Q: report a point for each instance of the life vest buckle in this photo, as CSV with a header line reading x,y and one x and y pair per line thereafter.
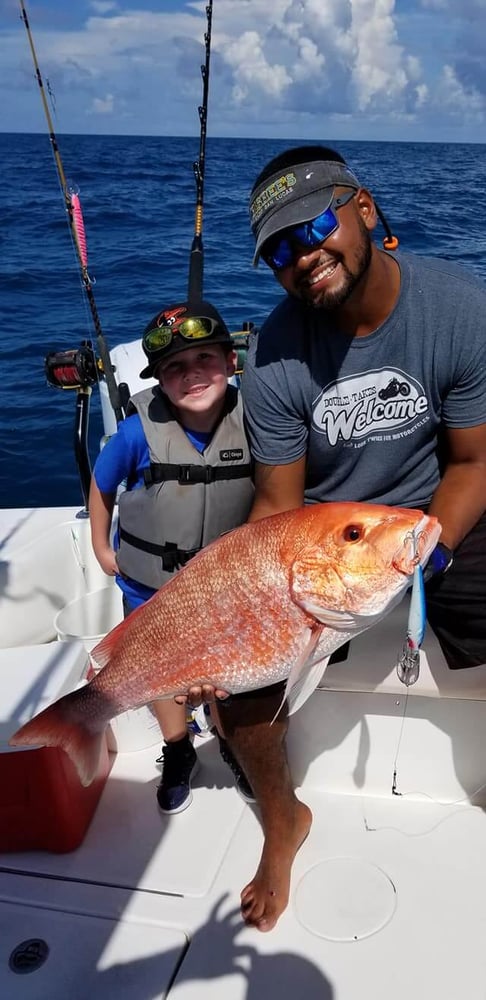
x,y
184,474
195,474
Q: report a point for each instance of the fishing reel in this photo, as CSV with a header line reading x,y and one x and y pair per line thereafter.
x,y
77,369
73,369
241,343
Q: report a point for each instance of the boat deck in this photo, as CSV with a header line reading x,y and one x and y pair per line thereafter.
x,y
388,892
388,895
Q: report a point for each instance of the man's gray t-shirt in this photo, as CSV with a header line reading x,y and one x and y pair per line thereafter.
x,y
367,410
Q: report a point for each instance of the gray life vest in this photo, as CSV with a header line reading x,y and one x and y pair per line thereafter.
x,y
189,499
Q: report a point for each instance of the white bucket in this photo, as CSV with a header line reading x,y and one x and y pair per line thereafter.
x,y
88,619
136,729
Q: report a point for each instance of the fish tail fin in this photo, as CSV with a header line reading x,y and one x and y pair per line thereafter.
x,y
53,728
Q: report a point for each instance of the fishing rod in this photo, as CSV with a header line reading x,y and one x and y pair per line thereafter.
x,y
195,290
76,225
196,260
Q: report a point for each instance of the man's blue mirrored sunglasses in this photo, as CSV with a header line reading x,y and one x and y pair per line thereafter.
x,y
279,251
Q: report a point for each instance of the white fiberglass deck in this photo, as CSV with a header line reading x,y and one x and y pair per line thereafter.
x,y
388,896
388,899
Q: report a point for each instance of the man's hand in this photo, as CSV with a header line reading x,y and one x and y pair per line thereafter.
x,y
439,561
201,693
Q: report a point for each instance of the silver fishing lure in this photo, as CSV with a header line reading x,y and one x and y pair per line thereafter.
x,y
408,665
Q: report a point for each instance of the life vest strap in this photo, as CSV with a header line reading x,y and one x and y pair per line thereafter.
x,y
160,472
172,557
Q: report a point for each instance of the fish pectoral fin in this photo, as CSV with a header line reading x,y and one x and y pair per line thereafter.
x,y
341,621
297,697
305,674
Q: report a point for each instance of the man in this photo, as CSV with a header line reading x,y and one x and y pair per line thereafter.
x,y
367,383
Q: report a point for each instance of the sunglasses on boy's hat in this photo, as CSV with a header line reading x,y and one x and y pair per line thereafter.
x,y
180,327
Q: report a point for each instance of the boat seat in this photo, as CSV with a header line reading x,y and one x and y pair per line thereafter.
x,y
370,665
128,361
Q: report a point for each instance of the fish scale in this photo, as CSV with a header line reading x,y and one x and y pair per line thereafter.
x,y
180,642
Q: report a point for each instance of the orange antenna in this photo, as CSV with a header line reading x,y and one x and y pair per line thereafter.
x,y
390,242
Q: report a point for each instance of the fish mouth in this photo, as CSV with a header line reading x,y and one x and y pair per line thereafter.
x,y
417,545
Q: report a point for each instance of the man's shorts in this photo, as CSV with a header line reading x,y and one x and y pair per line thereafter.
x,y
266,692
456,602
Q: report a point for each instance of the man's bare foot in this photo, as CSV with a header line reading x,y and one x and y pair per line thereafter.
x,y
267,895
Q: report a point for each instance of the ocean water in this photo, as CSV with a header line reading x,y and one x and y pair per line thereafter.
x,y
138,197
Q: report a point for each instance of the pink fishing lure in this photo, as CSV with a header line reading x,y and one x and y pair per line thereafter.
x,y
79,227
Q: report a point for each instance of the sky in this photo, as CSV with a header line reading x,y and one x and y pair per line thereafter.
x,y
411,70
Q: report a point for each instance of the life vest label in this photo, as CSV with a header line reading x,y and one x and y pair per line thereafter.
x,y
231,455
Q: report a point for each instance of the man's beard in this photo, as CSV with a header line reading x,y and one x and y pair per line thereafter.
x,y
332,300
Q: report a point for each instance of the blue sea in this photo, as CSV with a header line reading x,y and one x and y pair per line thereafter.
x,y
138,197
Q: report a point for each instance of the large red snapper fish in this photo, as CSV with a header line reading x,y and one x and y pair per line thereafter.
x,y
268,601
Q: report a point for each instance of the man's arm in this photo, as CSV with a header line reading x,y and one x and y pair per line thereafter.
x,y
460,497
278,488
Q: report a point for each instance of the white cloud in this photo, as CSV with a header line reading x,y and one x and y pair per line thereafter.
x,y
291,67
466,102
103,6
380,72
422,92
103,105
435,4
251,70
327,55
310,60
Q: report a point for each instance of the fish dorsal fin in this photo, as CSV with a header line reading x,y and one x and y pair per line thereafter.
x,y
305,674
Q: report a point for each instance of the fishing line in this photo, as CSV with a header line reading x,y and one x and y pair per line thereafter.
x,y
76,225
417,794
395,762
51,95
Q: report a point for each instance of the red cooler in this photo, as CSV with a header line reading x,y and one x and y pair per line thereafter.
x,y
43,805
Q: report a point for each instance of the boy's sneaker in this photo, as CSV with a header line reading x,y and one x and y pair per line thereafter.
x,y
242,784
180,764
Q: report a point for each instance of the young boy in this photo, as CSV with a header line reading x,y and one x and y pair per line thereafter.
x,y
184,456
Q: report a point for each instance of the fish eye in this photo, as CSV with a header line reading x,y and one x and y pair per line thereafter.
x,y
352,533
